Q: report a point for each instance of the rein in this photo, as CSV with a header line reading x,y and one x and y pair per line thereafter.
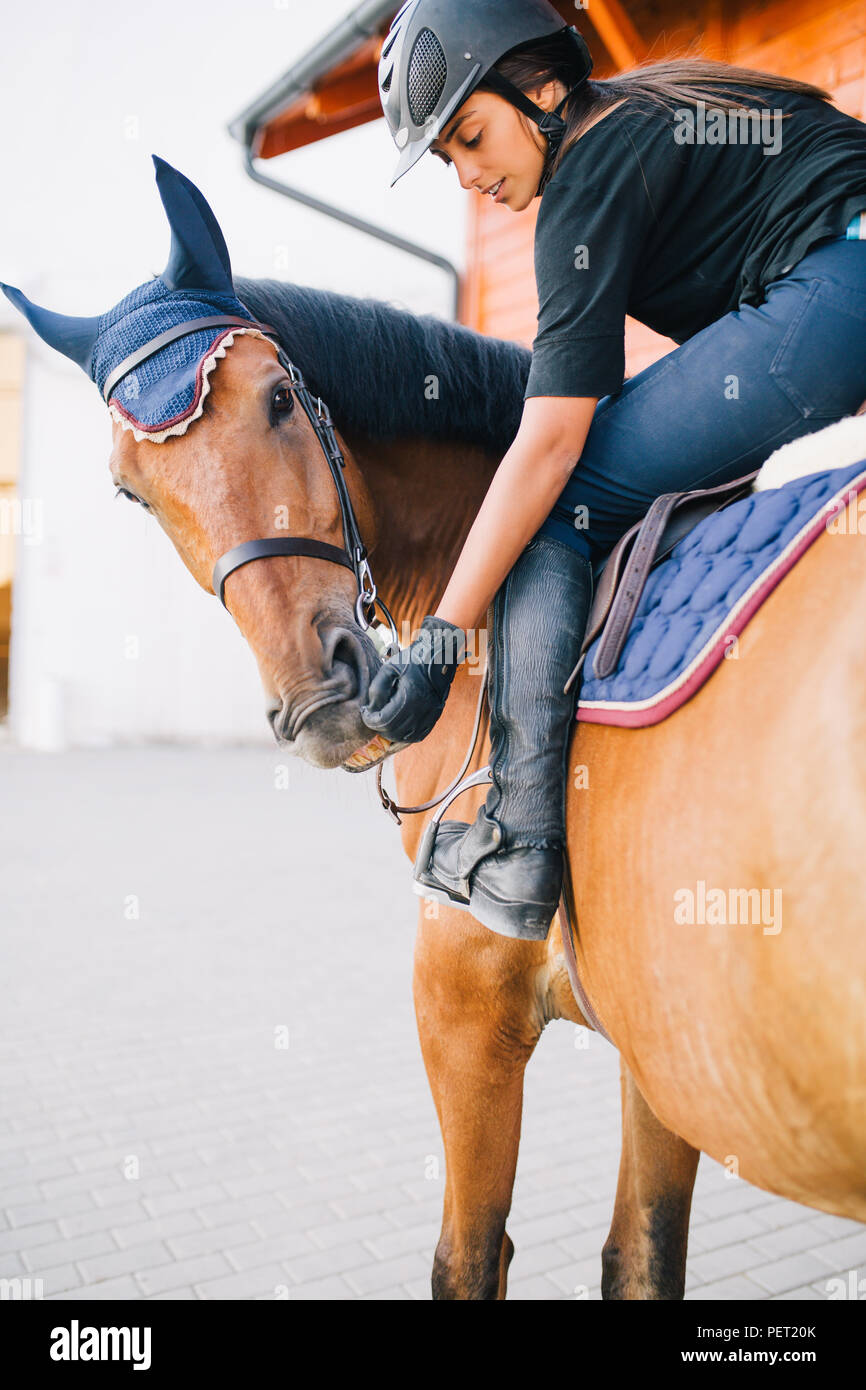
x,y
389,805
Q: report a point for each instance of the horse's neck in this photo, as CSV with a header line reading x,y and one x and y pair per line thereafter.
x,y
425,495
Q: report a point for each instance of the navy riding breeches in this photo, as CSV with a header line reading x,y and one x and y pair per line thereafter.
x,y
718,405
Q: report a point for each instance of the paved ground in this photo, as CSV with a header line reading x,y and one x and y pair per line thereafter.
x,y
212,1083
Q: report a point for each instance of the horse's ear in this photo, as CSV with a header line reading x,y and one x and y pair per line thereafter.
x,y
199,258
74,337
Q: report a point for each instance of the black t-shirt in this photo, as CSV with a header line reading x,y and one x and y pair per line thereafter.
x,y
678,234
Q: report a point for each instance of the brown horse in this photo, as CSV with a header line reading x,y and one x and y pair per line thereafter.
x,y
743,1042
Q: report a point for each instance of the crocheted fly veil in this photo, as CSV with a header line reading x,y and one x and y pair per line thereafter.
x,y
161,396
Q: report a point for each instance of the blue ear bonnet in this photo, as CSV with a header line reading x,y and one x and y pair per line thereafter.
x,y
166,392
168,389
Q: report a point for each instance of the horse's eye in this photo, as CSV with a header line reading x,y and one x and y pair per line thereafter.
x,y
131,497
283,400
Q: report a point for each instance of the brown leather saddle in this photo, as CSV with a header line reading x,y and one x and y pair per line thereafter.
x,y
644,545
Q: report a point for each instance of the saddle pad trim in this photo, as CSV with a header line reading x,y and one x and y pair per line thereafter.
x,y
653,709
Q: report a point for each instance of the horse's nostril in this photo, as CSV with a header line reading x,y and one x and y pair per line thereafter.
x,y
348,656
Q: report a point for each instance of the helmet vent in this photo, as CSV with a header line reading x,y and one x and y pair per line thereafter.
x,y
386,82
428,70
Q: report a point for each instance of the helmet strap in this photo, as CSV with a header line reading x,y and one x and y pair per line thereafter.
x,y
550,123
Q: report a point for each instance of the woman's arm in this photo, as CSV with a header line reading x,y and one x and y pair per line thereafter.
x,y
526,484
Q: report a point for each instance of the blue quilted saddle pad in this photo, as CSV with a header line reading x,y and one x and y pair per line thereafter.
x,y
704,593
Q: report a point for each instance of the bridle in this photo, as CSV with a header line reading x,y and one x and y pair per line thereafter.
x,y
354,553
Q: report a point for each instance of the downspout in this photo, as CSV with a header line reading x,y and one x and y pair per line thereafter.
x,y
362,23
350,220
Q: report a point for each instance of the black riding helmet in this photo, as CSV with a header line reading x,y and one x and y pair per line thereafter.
x,y
436,53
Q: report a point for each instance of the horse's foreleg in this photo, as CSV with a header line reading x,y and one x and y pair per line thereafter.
x,y
478,1025
645,1253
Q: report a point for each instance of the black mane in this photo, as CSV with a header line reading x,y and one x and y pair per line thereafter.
x,y
371,363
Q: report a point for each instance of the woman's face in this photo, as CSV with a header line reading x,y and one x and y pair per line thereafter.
x,y
495,149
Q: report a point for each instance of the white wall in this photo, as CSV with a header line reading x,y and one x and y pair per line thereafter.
x,y
112,639
86,93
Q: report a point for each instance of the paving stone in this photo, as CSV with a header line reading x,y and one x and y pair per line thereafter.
x,y
417,1212
258,1252
189,1199
543,1228
146,1189
584,1242
738,1227
160,1228
59,1279
738,1286
575,1276
713,1265
203,1240
102,1219
536,1288
263,1206
329,1290
249,1283
308,1268
780,1275
776,1212
848,1252
419,1290
299,1218
421,1238
370,1278
832,1226
178,1274
109,1290
361,1228
362,1203
12,1197
58,1209
124,1261
68,1250
788,1240
12,1242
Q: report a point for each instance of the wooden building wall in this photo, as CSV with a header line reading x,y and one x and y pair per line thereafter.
x,y
824,44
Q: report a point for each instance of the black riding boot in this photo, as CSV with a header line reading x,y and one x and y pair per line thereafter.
x,y
506,868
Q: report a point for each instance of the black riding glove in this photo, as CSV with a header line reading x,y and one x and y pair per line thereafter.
x,y
408,693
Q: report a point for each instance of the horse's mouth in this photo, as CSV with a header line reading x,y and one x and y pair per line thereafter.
x,y
371,753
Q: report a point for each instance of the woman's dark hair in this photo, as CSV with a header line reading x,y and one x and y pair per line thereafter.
x,y
672,82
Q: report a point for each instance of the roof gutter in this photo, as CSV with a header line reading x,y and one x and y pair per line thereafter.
x,y
362,23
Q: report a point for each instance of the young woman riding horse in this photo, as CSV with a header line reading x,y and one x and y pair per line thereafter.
x,y
732,228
